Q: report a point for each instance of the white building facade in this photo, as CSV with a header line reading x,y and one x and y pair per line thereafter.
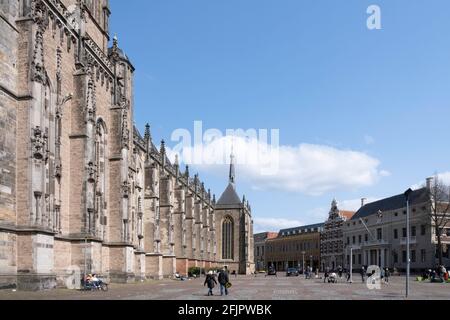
x,y
377,234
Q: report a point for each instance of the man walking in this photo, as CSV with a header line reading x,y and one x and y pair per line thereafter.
x,y
210,281
363,274
325,278
387,274
223,281
340,272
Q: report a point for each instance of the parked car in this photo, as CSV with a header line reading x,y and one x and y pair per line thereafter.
x,y
271,272
292,272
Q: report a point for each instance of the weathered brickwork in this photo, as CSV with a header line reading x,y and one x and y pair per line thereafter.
x,y
81,190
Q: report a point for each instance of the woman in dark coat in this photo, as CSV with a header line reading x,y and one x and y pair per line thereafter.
x,y
211,282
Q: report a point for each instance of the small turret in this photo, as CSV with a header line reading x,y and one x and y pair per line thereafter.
x,y
177,167
148,140
196,183
162,151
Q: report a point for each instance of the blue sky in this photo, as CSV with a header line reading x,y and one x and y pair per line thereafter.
x,y
311,69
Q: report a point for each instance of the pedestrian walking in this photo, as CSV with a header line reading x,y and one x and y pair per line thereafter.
x,y
309,273
224,281
340,271
443,272
387,274
211,282
325,278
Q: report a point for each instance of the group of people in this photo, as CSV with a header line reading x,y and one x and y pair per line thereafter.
x,y
439,274
223,280
385,274
93,280
309,272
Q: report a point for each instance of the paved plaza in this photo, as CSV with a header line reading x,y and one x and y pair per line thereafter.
x,y
247,288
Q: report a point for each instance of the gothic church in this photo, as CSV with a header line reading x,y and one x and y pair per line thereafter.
x,y
81,190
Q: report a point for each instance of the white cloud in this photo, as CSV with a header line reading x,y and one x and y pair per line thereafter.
x,y
385,173
274,224
354,204
317,215
320,214
313,216
443,176
307,168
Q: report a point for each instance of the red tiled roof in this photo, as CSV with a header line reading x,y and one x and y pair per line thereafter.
x,y
347,214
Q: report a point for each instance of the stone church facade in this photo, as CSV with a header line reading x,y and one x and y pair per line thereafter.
x,y
80,188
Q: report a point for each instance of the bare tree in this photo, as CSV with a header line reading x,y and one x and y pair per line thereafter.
x,y
439,194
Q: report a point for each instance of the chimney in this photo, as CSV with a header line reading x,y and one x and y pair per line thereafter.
x,y
430,183
363,202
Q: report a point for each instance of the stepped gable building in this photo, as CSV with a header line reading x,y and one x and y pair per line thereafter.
x,y
81,190
377,233
331,238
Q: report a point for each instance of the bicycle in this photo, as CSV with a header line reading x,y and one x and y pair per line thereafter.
x,y
90,286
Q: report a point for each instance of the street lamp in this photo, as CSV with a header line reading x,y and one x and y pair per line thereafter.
x,y
351,264
303,267
408,260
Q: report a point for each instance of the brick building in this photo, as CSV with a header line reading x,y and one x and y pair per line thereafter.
x,y
297,247
260,247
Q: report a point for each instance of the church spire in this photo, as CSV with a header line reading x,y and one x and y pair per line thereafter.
x,y
232,175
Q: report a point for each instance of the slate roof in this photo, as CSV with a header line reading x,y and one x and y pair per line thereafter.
x,y
229,197
396,202
303,229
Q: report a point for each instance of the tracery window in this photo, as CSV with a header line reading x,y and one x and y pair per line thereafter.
x,y
100,165
227,239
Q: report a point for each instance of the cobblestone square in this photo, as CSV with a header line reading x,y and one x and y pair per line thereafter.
x,y
248,288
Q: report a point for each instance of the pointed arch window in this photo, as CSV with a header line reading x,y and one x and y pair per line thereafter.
x,y
227,239
100,173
